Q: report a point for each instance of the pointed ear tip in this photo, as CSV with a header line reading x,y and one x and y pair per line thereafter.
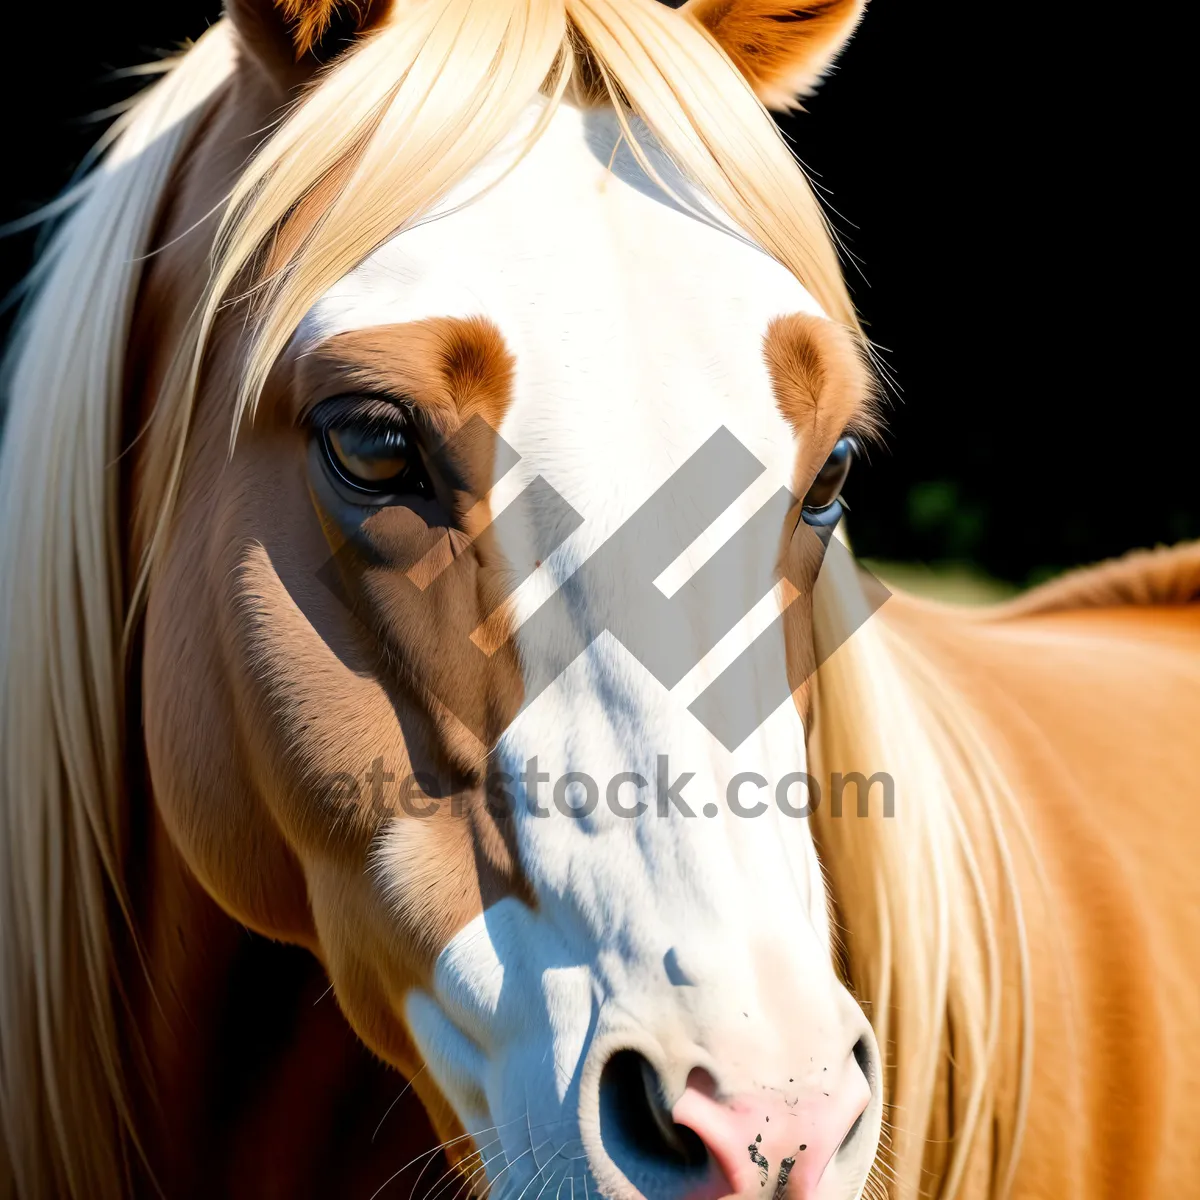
x,y
784,49
286,37
786,99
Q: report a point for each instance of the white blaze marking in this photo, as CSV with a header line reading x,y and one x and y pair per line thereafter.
x,y
637,332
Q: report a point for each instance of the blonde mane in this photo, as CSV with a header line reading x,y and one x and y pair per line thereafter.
x,y
63,1100
372,146
928,901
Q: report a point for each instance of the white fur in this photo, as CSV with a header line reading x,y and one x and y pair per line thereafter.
x,y
637,330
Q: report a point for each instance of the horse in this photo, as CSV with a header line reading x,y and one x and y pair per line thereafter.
x,y
429,416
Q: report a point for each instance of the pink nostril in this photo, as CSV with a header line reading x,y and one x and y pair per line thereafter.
x,y
752,1139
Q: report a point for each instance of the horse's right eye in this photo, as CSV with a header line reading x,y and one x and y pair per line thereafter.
x,y
373,453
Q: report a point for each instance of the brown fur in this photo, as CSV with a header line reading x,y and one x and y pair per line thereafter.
x,y
310,19
257,547
782,48
453,370
1166,576
823,388
823,385
290,38
1091,712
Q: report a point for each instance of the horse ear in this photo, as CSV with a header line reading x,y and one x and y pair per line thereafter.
x,y
291,39
782,48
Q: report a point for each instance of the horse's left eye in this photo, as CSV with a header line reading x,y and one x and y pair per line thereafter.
x,y
827,486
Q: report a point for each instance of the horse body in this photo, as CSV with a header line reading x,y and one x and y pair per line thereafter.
x,y
1089,702
640,1007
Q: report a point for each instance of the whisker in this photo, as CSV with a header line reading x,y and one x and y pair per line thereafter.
x,y
549,1180
508,1167
495,1141
534,1180
397,1100
456,1169
470,1180
427,1153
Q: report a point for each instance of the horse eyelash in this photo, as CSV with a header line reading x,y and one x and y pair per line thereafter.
x,y
374,413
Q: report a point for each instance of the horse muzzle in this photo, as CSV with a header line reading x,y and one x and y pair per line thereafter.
x,y
808,1134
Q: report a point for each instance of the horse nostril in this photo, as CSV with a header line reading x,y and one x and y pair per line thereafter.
x,y
866,1064
635,1122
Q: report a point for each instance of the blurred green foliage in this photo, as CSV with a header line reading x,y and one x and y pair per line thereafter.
x,y
952,583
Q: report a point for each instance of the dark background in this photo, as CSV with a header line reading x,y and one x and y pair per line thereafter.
x,y
1006,178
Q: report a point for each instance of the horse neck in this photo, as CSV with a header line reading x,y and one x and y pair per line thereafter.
x,y
246,1079
175,980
